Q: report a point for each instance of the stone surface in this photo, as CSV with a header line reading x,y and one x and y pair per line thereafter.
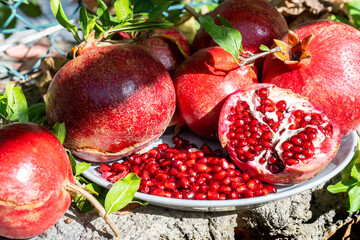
x,y
313,214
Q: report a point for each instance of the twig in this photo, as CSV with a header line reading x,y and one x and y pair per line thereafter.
x,y
79,189
5,120
192,12
253,57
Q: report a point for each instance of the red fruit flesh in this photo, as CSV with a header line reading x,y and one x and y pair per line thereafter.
x,y
164,44
275,135
186,172
329,77
114,100
258,22
202,84
34,168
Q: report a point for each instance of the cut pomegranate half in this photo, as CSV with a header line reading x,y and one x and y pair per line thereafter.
x,y
276,135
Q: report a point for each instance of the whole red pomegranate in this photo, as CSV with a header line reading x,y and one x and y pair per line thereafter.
x,y
202,84
320,60
114,100
34,169
257,20
168,45
275,135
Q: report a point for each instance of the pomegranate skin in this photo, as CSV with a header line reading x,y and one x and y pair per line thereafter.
x,y
326,144
161,44
34,167
114,100
202,84
257,20
330,78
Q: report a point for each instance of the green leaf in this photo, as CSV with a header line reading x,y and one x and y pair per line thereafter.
x,y
72,160
31,8
226,37
103,14
354,11
264,48
355,172
346,172
354,198
122,193
81,167
5,13
142,26
60,131
342,186
37,112
157,12
83,204
123,10
61,17
342,19
20,107
83,19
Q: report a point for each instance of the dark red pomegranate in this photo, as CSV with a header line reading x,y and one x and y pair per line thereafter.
x,y
114,100
323,67
202,84
186,172
257,20
34,169
165,44
275,135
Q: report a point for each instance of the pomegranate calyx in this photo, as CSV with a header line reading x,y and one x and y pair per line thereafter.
x,y
295,51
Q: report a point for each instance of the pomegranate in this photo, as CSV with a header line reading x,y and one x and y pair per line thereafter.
x,y
275,135
168,45
320,60
257,20
34,169
186,172
114,100
202,84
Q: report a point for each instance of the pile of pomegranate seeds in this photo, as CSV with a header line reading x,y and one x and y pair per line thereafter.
x,y
185,172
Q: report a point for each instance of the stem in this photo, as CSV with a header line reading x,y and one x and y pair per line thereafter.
x,y
192,12
5,120
253,57
79,189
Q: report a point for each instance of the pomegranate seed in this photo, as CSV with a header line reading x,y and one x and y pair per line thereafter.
x,y
189,195
144,175
104,167
200,196
233,195
263,92
200,167
281,105
184,182
213,195
177,195
157,192
219,175
225,181
287,146
245,177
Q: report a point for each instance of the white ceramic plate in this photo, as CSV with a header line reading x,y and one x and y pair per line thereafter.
x,y
343,157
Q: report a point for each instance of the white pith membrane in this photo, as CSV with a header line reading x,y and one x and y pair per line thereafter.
x,y
293,103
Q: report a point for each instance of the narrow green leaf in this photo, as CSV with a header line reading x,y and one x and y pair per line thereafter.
x,y
83,19
346,172
83,204
342,19
31,8
354,11
142,26
123,10
228,38
355,172
342,186
61,17
103,14
10,112
21,106
60,131
122,193
37,112
72,160
157,12
354,198
5,13
81,167
264,48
